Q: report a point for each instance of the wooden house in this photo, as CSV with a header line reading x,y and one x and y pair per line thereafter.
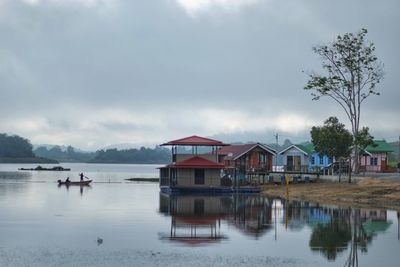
x,y
375,157
247,159
316,161
296,158
194,165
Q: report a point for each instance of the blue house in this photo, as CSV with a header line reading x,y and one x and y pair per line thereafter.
x,y
316,161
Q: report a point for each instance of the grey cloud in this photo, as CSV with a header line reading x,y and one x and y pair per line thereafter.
x,y
150,57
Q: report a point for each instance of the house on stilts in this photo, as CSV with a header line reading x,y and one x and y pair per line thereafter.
x,y
247,163
196,167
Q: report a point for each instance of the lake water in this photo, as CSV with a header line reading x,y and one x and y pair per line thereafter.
x,y
119,223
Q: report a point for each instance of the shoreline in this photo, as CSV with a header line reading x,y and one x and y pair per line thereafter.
x,y
366,193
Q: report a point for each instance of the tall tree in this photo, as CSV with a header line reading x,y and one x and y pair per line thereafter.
x,y
332,139
352,72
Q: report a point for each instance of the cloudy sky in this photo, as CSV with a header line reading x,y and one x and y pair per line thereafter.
x,y
91,73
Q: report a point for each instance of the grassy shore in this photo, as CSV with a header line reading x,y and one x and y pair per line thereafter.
x,y
367,192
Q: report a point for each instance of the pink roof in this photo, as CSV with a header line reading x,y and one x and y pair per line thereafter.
x,y
196,162
195,140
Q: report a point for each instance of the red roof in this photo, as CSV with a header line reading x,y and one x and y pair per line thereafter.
x,y
236,151
196,162
195,140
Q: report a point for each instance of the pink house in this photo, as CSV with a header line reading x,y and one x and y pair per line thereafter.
x,y
375,158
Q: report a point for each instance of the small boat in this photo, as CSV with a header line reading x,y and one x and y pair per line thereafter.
x,y
74,182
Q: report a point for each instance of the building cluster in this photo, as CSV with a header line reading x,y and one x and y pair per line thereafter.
x,y
199,162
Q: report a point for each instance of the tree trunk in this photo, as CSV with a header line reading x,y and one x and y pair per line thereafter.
x,y
350,172
356,159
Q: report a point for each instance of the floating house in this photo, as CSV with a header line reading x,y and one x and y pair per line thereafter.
x,y
247,160
296,158
375,157
194,166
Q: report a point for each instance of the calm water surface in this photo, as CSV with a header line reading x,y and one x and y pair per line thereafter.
x,y
118,223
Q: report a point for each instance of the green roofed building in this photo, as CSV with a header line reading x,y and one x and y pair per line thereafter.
x,y
375,157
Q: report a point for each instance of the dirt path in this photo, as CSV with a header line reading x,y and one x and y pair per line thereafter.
x,y
365,193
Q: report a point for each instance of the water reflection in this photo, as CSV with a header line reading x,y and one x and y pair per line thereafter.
x,y
334,230
83,189
195,220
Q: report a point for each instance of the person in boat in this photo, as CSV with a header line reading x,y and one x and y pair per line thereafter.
x,y
67,180
81,175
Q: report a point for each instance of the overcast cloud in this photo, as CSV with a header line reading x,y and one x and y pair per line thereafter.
x,y
91,73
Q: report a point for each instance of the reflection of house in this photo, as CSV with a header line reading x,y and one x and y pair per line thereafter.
x,y
374,221
247,159
296,158
373,215
375,158
195,220
194,165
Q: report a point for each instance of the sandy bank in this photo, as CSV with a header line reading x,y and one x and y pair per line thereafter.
x,y
367,192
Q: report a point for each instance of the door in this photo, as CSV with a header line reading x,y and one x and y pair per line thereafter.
x,y
289,163
383,164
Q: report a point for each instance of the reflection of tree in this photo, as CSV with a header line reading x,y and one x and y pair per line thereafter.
x,y
359,239
251,214
332,237
347,228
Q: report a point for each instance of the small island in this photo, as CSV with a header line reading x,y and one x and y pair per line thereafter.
x,y
40,168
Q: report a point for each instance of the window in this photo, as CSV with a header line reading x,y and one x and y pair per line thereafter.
x,y
373,161
321,160
199,176
312,160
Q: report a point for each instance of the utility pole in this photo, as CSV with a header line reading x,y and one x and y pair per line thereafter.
x,y
276,156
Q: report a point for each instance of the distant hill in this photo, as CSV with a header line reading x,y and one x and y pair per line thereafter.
x,y
158,155
16,149
64,153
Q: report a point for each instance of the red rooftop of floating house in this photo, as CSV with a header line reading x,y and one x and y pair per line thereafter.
x,y
194,140
196,162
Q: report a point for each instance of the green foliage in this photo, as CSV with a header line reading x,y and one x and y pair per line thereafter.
x,y
363,139
331,239
352,72
70,155
15,147
332,139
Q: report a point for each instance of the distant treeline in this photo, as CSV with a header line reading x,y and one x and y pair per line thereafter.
x,y
68,155
15,149
142,155
158,155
